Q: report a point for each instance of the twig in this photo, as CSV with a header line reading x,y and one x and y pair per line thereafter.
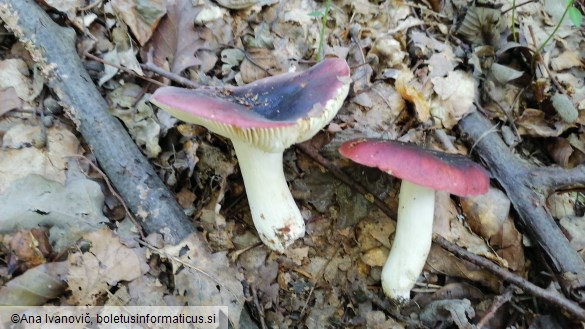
x,y
388,307
548,296
309,150
251,60
540,60
113,191
97,59
517,6
552,179
527,196
164,254
315,281
259,308
150,66
498,302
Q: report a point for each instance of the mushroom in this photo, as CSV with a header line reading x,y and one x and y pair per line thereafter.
x,y
262,119
422,172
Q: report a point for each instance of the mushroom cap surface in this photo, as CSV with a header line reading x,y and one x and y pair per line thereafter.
x,y
271,113
453,173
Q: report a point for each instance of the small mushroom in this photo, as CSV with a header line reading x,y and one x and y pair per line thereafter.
x,y
422,173
262,119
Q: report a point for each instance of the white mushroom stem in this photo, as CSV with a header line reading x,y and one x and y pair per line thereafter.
x,y
274,211
412,241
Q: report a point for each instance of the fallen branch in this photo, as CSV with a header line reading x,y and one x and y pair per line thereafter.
x,y
53,48
527,187
549,296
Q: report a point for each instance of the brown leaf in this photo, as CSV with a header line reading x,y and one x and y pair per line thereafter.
x,y
36,286
441,261
9,100
566,60
29,248
176,40
574,229
92,273
456,94
14,73
560,150
377,320
264,62
206,279
532,122
142,18
561,205
488,215
413,95
447,225
185,197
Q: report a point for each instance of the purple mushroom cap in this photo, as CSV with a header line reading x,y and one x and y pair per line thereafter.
x,y
272,113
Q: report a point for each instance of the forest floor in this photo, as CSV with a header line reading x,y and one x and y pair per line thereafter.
x,y
421,72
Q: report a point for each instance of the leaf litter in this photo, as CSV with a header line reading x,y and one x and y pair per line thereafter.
x,y
413,74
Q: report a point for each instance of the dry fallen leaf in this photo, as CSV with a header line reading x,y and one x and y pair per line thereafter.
x,y
488,215
12,74
264,62
176,39
413,95
36,286
560,150
566,60
18,159
147,290
69,211
561,205
448,225
93,273
28,248
132,108
378,320
574,229
441,64
206,281
456,94
9,100
532,122
449,311
142,18
443,262
66,6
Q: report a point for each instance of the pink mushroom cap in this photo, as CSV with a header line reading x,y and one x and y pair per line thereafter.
x,y
272,113
441,171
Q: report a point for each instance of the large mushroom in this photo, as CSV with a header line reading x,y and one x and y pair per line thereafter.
x,y
262,119
422,172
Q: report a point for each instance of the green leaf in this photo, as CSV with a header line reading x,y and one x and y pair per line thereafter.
x,y
575,16
316,14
